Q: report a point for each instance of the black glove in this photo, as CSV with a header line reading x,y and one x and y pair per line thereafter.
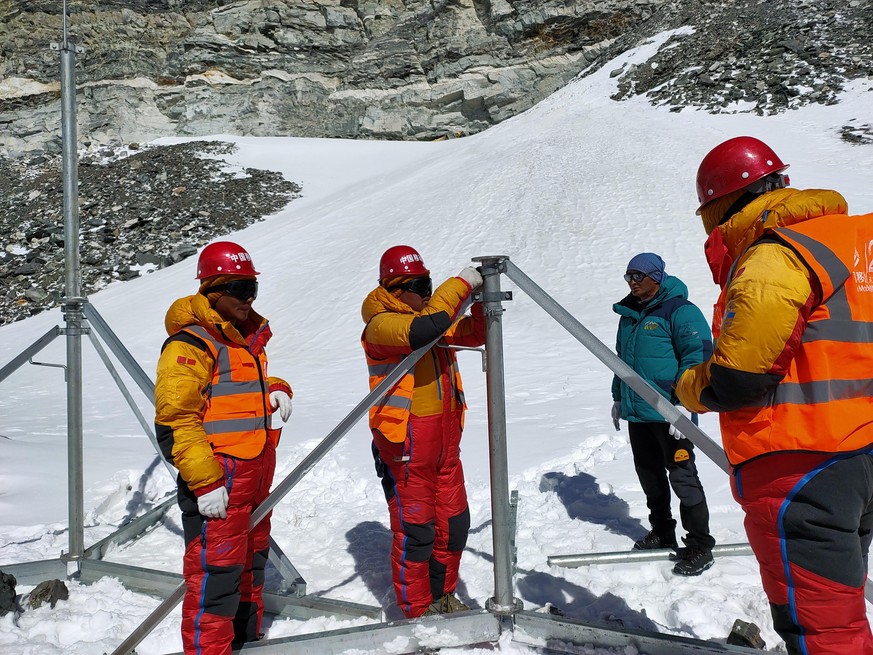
x,y
380,465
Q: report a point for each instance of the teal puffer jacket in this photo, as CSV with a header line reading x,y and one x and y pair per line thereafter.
x,y
659,341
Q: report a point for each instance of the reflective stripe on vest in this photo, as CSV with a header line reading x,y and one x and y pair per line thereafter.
x,y
235,420
390,416
823,403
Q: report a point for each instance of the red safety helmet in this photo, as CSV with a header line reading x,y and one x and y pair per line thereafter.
x,y
224,258
733,165
401,260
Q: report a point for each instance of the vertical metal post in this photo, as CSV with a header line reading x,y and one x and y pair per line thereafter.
x,y
73,302
503,602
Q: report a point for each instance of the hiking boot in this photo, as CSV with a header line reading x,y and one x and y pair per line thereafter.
x,y
694,561
653,542
451,603
446,605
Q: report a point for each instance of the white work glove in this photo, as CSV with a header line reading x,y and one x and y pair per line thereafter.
x,y
471,276
673,432
616,414
213,505
281,401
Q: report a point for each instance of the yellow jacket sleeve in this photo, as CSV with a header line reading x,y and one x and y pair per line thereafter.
x,y
278,384
183,375
766,306
399,331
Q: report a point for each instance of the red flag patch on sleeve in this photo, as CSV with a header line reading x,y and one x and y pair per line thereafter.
x,y
181,359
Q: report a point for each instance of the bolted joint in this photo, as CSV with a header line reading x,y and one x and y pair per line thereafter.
x,y
492,264
503,610
491,296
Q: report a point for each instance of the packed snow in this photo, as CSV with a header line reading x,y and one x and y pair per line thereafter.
x,y
570,191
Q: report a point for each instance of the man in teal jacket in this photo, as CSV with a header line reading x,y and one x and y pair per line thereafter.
x,y
661,334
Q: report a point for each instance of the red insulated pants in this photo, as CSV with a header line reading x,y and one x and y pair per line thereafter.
x,y
809,519
224,562
423,482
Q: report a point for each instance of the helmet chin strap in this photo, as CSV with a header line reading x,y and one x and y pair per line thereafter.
x,y
755,189
768,183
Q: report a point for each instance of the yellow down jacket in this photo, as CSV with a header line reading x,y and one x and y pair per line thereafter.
x,y
769,366
186,376
394,330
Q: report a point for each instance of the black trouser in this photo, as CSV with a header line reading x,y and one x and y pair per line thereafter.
x,y
663,462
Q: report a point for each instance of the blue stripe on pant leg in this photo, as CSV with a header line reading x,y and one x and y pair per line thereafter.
x,y
783,542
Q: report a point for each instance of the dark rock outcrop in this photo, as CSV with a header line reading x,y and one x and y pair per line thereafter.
x,y
138,212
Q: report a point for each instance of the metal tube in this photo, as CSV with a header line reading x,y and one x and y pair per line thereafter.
x,y
131,530
621,556
73,300
501,516
630,377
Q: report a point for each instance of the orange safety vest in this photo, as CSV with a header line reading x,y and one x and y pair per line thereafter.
x,y
236,419
390,416
824,403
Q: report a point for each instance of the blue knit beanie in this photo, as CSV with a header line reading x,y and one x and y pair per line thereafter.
x,y
650,264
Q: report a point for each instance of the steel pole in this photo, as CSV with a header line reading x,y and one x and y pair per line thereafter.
x,y
73,302
622,556
501,516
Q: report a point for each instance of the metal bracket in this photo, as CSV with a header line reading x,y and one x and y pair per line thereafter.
x,y
54,45
63,366
479,350
80,331
490,296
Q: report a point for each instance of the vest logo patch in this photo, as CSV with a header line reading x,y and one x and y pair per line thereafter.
x,y
863,273
730,313
181,359
681,455
650,325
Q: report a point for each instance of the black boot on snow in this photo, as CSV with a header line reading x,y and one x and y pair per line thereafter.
x,y
694,561
653,542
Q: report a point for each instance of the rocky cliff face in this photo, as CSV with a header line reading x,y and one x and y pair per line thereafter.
x,y
395,69
402,69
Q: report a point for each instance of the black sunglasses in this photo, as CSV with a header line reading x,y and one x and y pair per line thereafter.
x,y
636,276
420,286
239,289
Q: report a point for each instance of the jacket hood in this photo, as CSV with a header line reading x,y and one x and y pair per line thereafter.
x,y
381,300
196,310
777,208
671,287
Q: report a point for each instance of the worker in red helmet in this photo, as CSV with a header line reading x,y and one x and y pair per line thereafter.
x,y
417,425
214,402
790,375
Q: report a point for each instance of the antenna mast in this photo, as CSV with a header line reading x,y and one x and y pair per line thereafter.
x,y
73,301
